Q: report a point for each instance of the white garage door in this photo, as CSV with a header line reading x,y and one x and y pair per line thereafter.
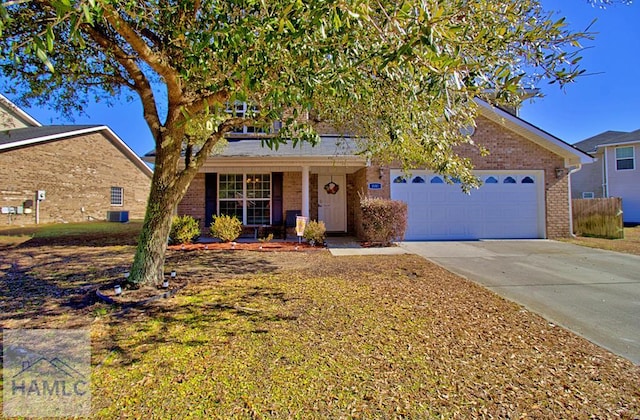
x,y
509,205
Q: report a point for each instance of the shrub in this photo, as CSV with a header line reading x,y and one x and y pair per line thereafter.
x,y
314,232
383,221
184,230
226,228
266,239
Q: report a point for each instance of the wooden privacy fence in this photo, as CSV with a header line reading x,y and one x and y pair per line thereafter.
x,y
600,217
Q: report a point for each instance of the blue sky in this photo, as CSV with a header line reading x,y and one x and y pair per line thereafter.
x,y
608,99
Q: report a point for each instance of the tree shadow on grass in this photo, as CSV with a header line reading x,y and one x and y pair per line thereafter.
x,y
194,321
39,284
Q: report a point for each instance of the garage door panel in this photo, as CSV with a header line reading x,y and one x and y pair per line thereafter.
x,y
497,210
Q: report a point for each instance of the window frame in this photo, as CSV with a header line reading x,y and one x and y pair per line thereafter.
x,y
115,192
244,110
588,195
244,197
632,158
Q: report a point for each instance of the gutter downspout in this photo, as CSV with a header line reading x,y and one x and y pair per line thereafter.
x,y
571,172
605,180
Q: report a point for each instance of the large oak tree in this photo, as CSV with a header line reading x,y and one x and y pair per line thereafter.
x,y
402,75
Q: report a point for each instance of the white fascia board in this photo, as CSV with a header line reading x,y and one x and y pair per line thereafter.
x,y
124,148
571,155
34,140
623,143
111,136
20,112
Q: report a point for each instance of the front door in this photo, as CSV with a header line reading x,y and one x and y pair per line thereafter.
x,y
332,203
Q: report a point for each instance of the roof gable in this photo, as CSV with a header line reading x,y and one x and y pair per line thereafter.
x,y
32,136
572,155
11,116
592,144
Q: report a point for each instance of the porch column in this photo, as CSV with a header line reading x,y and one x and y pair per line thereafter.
x,y
305,191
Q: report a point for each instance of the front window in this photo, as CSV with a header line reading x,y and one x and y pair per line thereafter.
x,y
625,158
246,196
117,196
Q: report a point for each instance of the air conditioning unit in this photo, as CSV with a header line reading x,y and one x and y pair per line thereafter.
x,y
118,216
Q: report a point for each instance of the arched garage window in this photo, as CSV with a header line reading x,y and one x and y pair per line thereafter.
x,y
436,180
491,180
418,180
509,180
399,180
528,180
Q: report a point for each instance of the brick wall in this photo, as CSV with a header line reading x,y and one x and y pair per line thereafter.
x,y
77,174
193,202
291,192
508,151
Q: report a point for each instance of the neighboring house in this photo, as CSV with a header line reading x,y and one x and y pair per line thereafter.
x,y
525,192
82,172
614,173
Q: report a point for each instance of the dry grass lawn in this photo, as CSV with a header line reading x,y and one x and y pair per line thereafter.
x,y
308,335
630,244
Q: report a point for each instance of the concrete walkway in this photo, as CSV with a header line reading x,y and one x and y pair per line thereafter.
x,y
347,245
592,292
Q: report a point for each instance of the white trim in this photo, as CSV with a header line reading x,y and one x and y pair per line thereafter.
x,y
624,143
245,199
19,111
121,196
633,157
572,155
540,190
605,175
109,134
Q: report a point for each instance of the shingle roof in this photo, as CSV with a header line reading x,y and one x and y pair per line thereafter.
x,y
20,134
253,147
591,144
31,136
328,146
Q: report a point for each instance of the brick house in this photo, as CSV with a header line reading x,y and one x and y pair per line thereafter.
x,y
84,170
525,192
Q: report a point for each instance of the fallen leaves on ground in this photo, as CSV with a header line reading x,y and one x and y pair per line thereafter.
x,y
281,335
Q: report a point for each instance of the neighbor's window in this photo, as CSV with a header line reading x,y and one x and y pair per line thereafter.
x,y
117,196
588,194
625,158
246,196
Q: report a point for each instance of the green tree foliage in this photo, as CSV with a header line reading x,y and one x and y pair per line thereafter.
x,y
402,75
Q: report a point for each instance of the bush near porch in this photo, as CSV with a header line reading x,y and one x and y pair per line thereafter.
x,y
383,221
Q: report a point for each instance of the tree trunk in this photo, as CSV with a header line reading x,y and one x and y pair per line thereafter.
x,y
168,187
148,263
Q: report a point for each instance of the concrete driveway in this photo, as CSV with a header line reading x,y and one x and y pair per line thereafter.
x,y
592,292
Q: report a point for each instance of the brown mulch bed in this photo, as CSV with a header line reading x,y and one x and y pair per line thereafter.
x,y
246,246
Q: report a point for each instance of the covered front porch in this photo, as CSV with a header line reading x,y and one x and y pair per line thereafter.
x,y
266,189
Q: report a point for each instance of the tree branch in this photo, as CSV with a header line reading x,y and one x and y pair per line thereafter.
x,y
157,62
142,86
